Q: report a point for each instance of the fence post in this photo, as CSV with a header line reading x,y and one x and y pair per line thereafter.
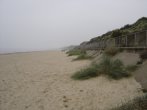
x,y
126,41
119,41
146,38
135,40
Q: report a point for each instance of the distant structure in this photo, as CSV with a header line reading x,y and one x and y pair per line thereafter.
x,y
136,40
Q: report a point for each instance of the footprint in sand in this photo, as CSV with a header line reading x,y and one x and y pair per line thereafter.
x,y
65,101
81,90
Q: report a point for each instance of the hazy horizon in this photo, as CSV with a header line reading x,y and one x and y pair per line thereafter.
x,y
33,25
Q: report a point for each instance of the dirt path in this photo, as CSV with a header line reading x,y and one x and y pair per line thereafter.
x,y
41,81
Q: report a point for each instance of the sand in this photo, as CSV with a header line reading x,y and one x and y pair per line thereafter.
x,y
128,58
141,75
41,81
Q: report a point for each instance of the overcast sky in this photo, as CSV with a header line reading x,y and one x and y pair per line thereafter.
x,y
27,25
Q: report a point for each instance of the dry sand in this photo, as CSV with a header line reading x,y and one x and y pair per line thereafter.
x,y
141,75
41,81
128,58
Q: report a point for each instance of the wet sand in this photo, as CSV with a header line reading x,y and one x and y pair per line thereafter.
x,y
41,81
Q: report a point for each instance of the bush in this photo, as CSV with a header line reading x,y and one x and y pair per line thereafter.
x,y
116,33
114,69
143,55
139,103
111,51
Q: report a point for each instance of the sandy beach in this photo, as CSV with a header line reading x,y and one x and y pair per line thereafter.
x,y
41,81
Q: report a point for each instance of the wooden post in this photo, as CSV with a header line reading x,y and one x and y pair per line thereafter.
x,y
115,42
126,41
118,41
146,38
135,40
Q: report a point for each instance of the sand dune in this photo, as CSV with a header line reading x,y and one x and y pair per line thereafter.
x,y
41,81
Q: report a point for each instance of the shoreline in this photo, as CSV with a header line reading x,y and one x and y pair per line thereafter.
x,y
9,53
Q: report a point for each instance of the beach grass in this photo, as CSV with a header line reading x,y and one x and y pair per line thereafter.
x,y
81,54
112,68
75,52
139,103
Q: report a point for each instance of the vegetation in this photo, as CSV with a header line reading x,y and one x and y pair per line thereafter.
x,y
139,25
139,103
86,73
132,68
83,56
116,33
143,55
75,52
113,68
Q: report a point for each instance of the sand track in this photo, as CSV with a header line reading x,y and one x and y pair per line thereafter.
x,y
41,81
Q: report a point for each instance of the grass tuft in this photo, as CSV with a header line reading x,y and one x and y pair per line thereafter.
x,y
85,73
83,56
139,103
75,52
114,69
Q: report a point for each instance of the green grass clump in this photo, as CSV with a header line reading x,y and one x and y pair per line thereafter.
x,y
111,51
85,73
139,103
113,68
75,52
83,56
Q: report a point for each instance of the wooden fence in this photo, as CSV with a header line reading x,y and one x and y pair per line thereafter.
x,y
135,40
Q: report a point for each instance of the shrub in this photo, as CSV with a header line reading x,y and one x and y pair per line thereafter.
x,y
111,51
116,33
139,103
143,55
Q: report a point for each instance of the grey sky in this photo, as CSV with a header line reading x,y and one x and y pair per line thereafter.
x,y
27,25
